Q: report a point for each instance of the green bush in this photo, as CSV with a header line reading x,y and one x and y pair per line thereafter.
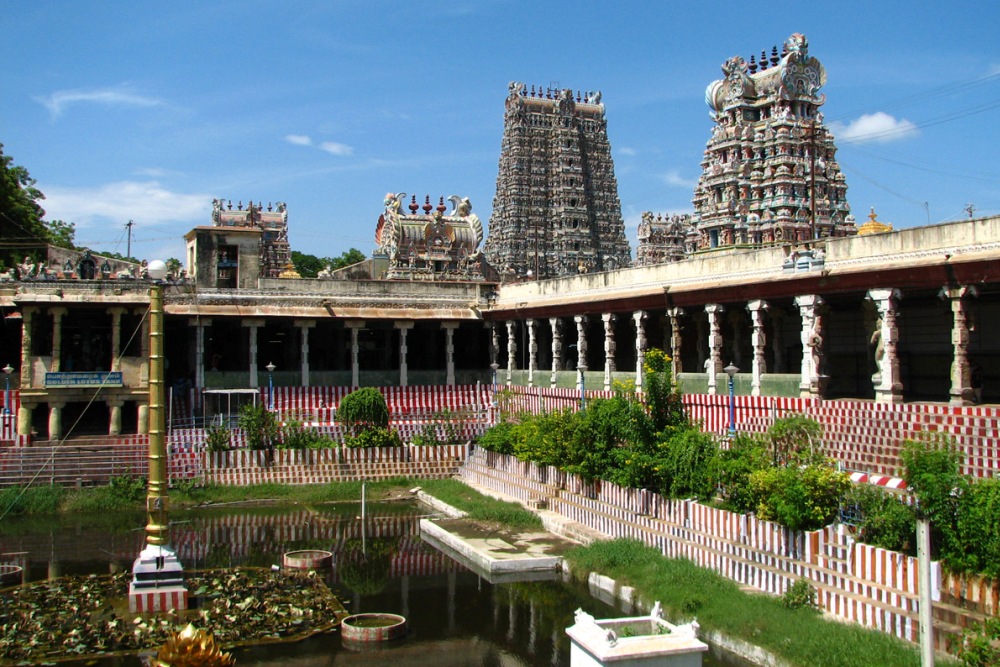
x,y
259,425
687,463
795,440
218,438
800,595
498,438
884,520
979,529
800,498
296,436
931,471
363,409
732,468
128,488
374,437
980,644
663,400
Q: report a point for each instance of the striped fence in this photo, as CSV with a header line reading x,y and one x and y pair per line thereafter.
x,y
855,581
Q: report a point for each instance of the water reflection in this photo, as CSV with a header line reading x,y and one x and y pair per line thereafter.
x,y
455,616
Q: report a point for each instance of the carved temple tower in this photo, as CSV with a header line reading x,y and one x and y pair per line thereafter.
x,y
556,210
769,174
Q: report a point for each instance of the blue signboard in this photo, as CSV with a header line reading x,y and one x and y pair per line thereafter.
x,y
89,379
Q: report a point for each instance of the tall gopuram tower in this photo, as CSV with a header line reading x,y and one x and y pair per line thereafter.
x,y
769,174
556,210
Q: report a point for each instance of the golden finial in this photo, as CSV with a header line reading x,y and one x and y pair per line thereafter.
x,y
192,648
873,226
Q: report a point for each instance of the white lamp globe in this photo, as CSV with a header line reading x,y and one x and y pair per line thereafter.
x,y
157,269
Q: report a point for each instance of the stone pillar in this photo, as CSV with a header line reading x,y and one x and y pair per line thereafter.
x,y
24,419
116,313
886,381
403,327
758,338
609,348
676,339
713,365
57,315
143,418
449,351
511,350
355,326
304,327
55,419
581,340
115,423
810,381
494,343
963,389
253,325
199,324
557,349
639,317
532,351
27,314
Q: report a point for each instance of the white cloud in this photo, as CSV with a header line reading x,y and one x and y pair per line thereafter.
x,y
148,203
298,139
625,150
675,180
58,101
336,149
876,127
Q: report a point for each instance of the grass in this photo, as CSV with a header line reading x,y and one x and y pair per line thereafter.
x,y
800,636
480,507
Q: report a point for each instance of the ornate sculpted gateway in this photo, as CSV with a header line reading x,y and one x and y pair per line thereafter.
x,y
556,210
430,245
769,174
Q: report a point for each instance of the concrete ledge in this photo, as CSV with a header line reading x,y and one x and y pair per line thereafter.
x,y
479,552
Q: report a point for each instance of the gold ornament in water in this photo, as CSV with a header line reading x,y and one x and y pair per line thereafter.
x,y
192,648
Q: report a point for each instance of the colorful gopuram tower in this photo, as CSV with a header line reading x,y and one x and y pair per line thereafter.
x,y
769,173
556,210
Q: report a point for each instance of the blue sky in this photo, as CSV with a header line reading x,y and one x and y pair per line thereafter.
x,y
149,110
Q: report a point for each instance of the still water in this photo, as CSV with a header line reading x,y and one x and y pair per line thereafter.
x,y
455,616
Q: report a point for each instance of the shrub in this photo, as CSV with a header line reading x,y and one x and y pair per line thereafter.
x,y
363,409
931,471
980,644
800,498
687,461
978,529
374,437
294,435
259,425
884,520
604,427
731,470
663,401
799,595
795,440
128,488
498,438
218,438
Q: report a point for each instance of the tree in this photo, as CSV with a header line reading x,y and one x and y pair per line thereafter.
x,y
309,266
62,234
352,256
20,214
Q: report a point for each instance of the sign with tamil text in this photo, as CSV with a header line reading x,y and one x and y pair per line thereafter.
x,y
88,379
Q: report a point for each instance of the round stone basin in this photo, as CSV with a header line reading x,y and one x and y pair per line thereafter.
x,y
310,559
11,575
364,628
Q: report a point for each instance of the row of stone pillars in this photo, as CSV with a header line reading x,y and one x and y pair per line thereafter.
x,y
814,375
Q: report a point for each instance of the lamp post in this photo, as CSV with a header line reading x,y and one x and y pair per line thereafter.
x,y
582,367
270,385
7,370
731,371
158,577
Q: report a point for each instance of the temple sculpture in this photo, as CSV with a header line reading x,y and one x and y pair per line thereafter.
x,y
769,173
664,238
430,242
556,210
275,252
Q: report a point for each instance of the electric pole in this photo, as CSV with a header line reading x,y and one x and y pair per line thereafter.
x,y
128,251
